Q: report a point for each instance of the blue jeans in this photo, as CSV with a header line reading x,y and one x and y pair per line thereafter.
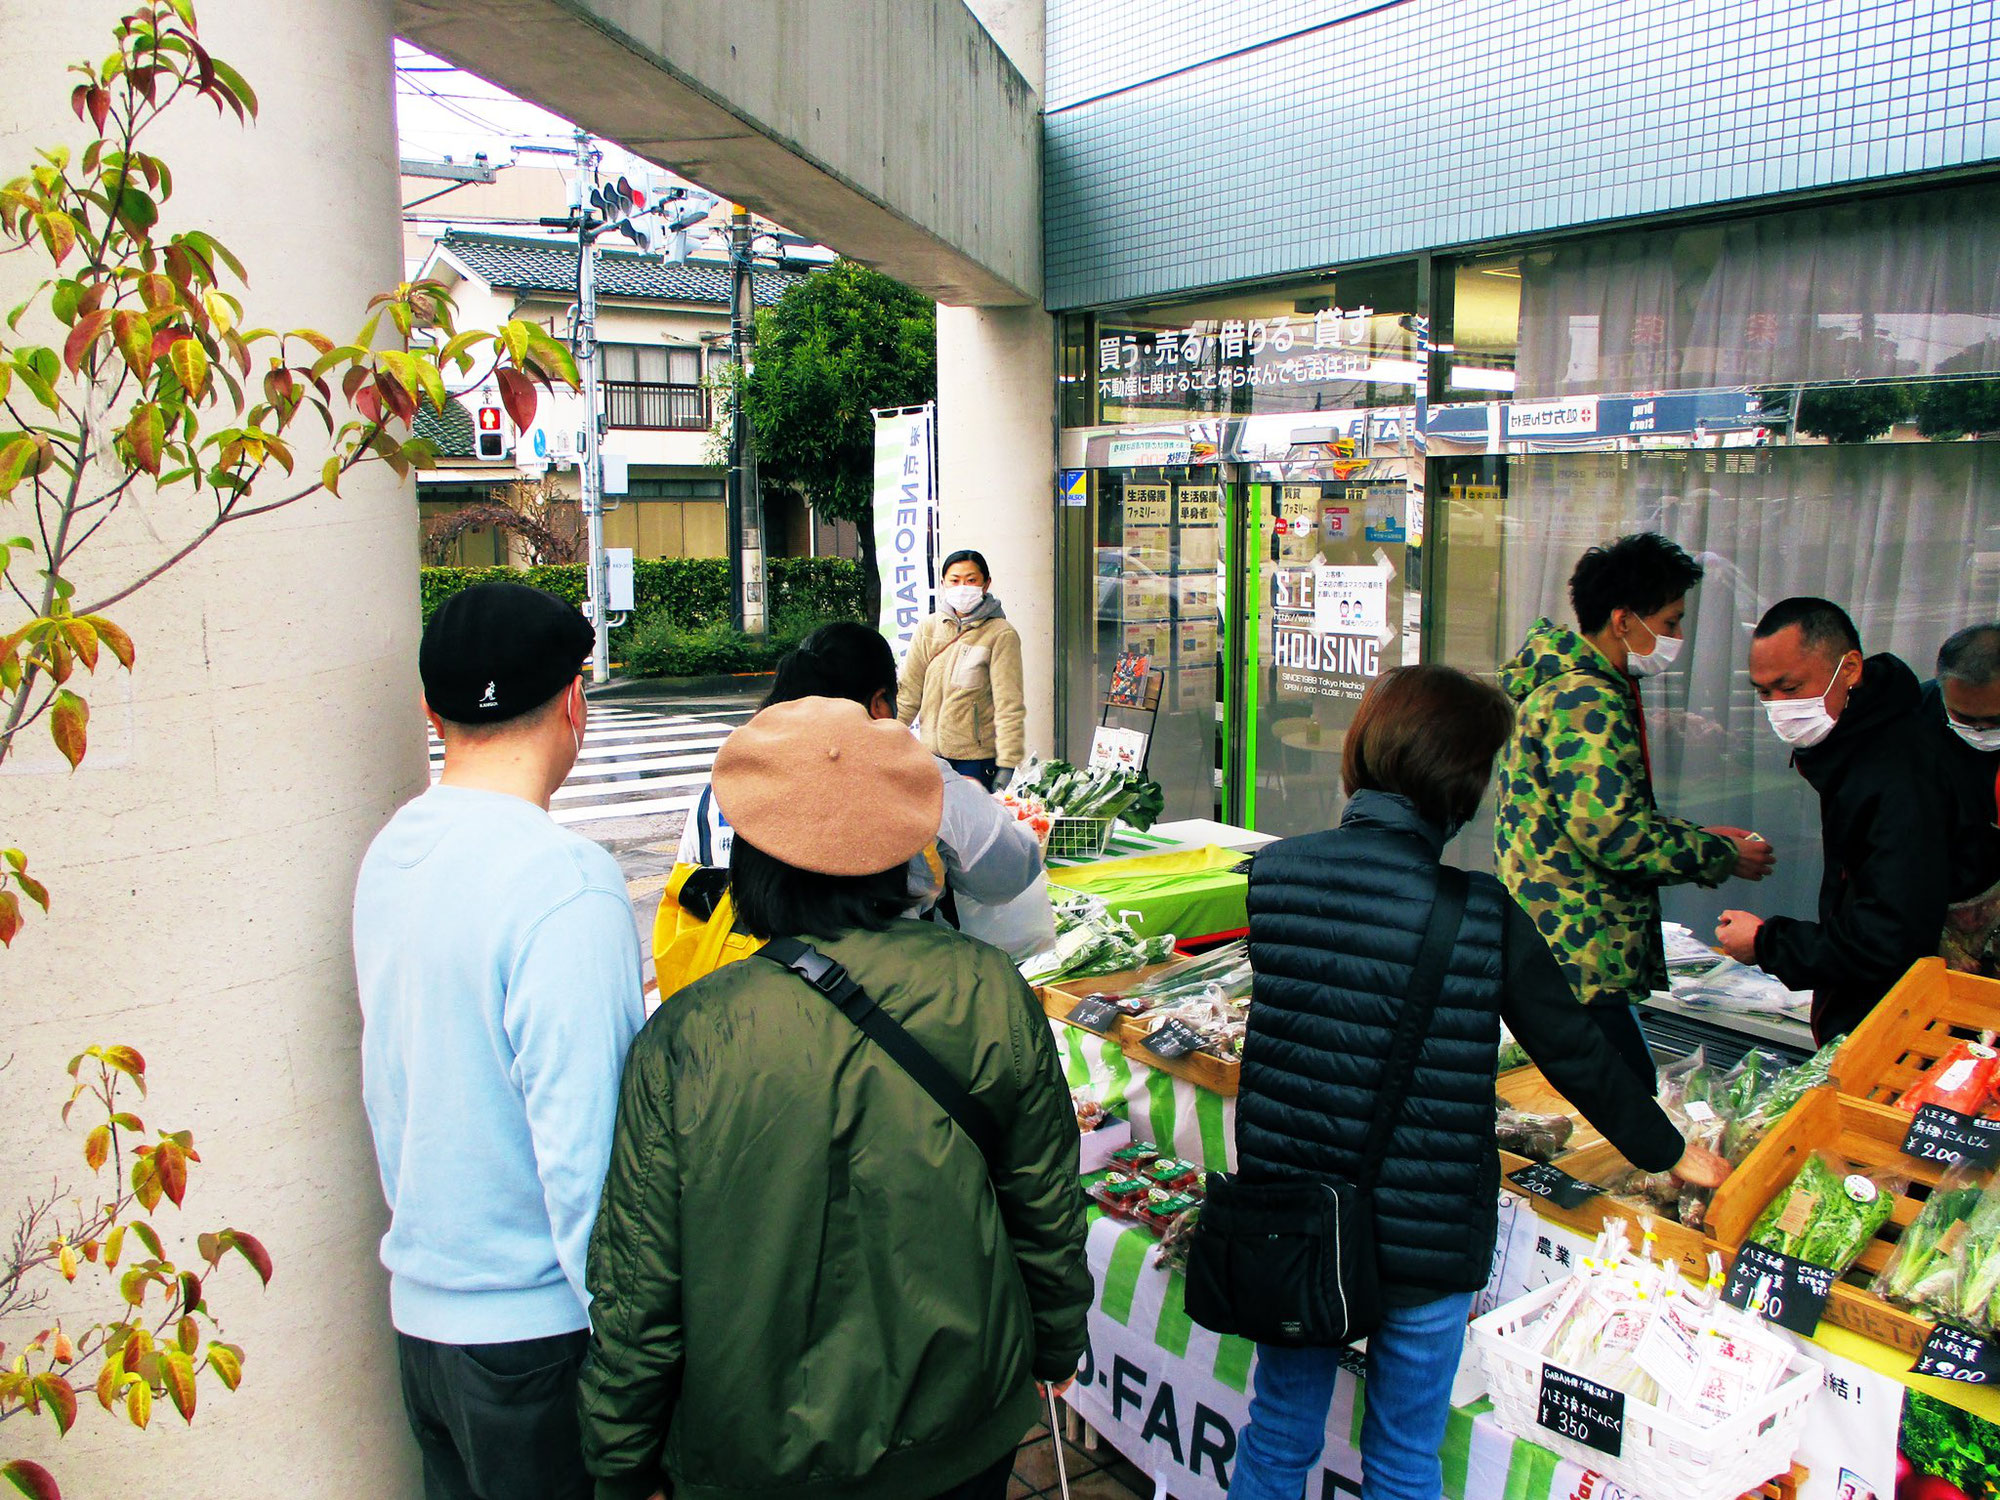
x,y
1412,1359
982,771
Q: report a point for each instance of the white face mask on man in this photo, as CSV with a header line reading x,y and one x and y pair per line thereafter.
x,y
962,598
1652,663
1980,739
1803,722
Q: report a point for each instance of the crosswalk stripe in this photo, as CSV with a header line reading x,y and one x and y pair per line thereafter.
x,y
571,815
631,767
569,793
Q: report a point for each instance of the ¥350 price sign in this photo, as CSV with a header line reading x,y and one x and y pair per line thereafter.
x,y
1582,1410
1778,1288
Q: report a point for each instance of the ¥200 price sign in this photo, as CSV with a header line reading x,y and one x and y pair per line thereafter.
x,y
1958,1354
1582,1410
1948,1137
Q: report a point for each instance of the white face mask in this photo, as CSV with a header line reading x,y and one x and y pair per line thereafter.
x,y
1652,663
1979,739
962,598
1803,722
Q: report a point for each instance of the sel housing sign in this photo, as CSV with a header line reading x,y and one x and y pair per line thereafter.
x,y
905,522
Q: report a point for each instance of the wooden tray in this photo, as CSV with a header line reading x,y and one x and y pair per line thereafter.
x,y
1203,1069
1856,1134
1525,1089
1599,1163
1912,1027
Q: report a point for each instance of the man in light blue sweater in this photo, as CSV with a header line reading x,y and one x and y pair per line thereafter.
x,y
500,988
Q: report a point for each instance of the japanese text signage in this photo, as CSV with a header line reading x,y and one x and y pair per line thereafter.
x,y
1272,362
1552,1183
1958,1354
1582,1410
1946,1136
1779,1288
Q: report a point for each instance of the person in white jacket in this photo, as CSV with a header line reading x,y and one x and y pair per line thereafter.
x,y
985,857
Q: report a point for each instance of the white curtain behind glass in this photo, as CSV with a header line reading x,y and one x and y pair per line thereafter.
x,y
1905,536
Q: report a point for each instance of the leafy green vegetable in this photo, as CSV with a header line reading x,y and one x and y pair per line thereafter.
x,y
1924,1257
1105,792
1841,1215
1951,1443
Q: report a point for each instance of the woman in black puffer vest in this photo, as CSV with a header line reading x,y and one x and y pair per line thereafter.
x,y
1336,919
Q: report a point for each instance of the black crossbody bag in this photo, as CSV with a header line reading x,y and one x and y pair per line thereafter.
x,y
1293,1261
909,1054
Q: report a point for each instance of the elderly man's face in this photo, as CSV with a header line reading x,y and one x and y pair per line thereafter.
x,y
1975,707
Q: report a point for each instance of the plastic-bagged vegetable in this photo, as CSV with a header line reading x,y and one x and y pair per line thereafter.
x,y
1961,1080
1512,1053
1923,1269
1826,1217
1538,1137
1748,1126
1093,792
1091,939
1221,976
1961,1281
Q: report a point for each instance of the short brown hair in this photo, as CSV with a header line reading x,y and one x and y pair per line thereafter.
x,y
1428,733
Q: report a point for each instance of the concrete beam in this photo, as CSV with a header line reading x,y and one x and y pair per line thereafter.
x,y
895,131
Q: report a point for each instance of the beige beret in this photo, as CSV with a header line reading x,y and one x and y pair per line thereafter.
x,y
819,785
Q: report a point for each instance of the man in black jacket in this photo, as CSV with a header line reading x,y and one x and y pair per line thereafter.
x,y
1962,712
1884,818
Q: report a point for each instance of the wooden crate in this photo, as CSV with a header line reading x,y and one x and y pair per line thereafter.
x,y
1856,1135
1061,997
1912,1026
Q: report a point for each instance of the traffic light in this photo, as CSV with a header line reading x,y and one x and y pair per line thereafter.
x,y
492,436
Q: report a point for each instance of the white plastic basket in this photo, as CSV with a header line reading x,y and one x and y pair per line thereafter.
x,y
1078,838
1664,1457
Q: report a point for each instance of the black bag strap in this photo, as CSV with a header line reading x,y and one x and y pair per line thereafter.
x,y
703,848
834,982
1426,981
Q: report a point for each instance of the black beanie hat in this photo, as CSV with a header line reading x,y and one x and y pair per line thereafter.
x,y
497,650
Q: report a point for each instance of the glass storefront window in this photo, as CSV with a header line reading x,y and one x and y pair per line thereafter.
x,y
1159,567
1324,344
1478,318
1906,538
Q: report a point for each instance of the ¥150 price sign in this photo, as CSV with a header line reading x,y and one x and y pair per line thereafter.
x,y
1947,1137
1582,1410
1778,1288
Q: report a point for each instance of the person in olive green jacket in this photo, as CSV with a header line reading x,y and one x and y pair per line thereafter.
x,y
961,683
805,1280
1582,845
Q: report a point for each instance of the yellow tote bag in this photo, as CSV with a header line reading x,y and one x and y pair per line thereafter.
x,y
685,944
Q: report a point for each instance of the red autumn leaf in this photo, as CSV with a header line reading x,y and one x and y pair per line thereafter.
x,y
82,336
31,1479
97,1147
114,638
61,1398
10,918
178,1371
252,1250
517,394
68,726
171,1163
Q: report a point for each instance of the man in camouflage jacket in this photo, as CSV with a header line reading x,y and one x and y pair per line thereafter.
x,y
1582,845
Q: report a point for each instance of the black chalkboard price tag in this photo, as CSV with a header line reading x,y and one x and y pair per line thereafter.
x,y
1173,1039
1780,1289
1098,1013
1946,1136
1554,1184
1956,1354
1582,1410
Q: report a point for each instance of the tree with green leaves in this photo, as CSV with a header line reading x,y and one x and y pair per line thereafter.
x,y
835,347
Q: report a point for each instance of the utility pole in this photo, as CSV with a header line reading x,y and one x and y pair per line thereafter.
x,y
583,339
745,505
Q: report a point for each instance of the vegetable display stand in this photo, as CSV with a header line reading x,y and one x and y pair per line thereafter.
x,y
1857,1136
1931,1008
1219,1075
1662,1456
1527,1090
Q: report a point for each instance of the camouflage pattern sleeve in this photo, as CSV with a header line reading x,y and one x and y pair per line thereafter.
x,y
1606,805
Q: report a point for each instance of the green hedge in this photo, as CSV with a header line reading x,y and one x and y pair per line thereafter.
x,y
684,596
690,591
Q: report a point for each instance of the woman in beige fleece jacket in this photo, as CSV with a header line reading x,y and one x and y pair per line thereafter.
x,y
961,684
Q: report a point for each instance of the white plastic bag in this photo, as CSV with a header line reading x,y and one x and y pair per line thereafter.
x,y
1021,927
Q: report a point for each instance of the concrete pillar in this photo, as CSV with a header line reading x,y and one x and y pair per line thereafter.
x,y
996,466
202,862
997,429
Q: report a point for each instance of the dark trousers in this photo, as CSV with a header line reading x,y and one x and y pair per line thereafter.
x,y
991,1485
985,772
497,1421
1620,1025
